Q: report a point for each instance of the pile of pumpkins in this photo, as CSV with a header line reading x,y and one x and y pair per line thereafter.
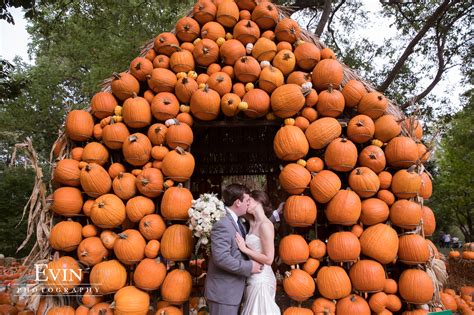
x,y
121,202
467,252
461,302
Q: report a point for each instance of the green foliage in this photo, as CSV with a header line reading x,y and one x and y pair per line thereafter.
x,y
16,184
76,45
453,199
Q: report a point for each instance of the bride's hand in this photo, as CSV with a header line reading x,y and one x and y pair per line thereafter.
x,y
241,243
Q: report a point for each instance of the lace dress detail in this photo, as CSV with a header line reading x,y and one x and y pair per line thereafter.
x,y
259,297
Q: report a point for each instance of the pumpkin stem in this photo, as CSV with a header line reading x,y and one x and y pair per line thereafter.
x,y
123,236
343,139
287,274
230,101
134,95
249,24
206,88
180,185
185,80
220,78
269,7
372,156
88,168
84,253
116,76
101,204
186,27
148,77
120,175
330,88
380,97
360,123
352,298
205,50
243,59
144,181
166,101
181,266
132,138
358,171
158,129
138,66
162,40
286,56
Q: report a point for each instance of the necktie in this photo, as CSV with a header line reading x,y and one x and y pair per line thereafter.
x,y
241,227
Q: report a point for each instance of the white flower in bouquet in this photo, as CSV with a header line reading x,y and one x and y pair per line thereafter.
x,y
205,211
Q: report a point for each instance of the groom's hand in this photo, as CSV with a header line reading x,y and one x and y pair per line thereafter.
x,y
256,267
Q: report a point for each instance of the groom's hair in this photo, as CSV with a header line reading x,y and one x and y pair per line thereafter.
x,y
233,192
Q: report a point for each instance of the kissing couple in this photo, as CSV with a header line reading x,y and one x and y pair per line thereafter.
x,y
239,270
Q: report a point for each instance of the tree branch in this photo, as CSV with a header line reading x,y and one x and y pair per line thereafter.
x,y
324,18
430,22
331,30
440,43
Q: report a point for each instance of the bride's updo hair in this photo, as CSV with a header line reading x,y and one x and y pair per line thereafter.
x,y
264,200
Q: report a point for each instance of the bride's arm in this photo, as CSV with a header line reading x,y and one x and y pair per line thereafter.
x,y
268,247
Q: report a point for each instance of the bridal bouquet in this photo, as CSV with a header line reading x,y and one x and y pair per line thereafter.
x,y
204,212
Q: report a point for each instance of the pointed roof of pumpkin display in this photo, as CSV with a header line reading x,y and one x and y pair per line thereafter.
x,y
283,12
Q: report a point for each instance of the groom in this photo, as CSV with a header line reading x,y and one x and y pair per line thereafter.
x,y
228,267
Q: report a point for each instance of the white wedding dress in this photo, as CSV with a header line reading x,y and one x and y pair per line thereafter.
x,y
259,297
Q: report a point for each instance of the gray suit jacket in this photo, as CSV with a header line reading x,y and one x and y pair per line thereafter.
x,y
228,268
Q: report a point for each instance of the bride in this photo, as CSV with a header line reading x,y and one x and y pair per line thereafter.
x,y
259,297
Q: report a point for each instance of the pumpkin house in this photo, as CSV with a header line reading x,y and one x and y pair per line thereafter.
x,y
239,89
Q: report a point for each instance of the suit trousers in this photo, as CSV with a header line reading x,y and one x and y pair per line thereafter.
x,y
222,309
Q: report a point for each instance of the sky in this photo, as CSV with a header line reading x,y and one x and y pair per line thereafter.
x,y
14,38
14,41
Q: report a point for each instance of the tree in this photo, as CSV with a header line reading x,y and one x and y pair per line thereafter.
x,y
76,45
15,188
427,40
453,198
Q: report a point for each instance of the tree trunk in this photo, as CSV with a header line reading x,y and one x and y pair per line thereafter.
x,y
409,49
324,18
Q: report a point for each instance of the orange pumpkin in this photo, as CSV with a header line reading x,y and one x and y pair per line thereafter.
x,y
341,155
343,246
176,287
152,226
323,306
364,182
108,211
149,274
103,104
300,211
324,186
294,178
179,134
328,72
352,304
406,184
380,242
344,208
176,202
130,300
124,85
386,128
137,149
124,186
298,285
367,276
406,214
67,201
177,243
150,182
413,249
178,165
374,211
258,103
373,104
129,248
415,286
115,134
63,274
265,14
205,104
91,251
331,104
353,92
287,30
79,125
401,152
204,11
322,132
66,235
333,282
287,100
138,207
290,143
293,249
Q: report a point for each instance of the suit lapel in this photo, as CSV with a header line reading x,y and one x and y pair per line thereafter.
x,y
233,221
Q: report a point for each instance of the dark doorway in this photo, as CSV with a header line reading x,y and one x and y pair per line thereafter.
x,y
235,151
